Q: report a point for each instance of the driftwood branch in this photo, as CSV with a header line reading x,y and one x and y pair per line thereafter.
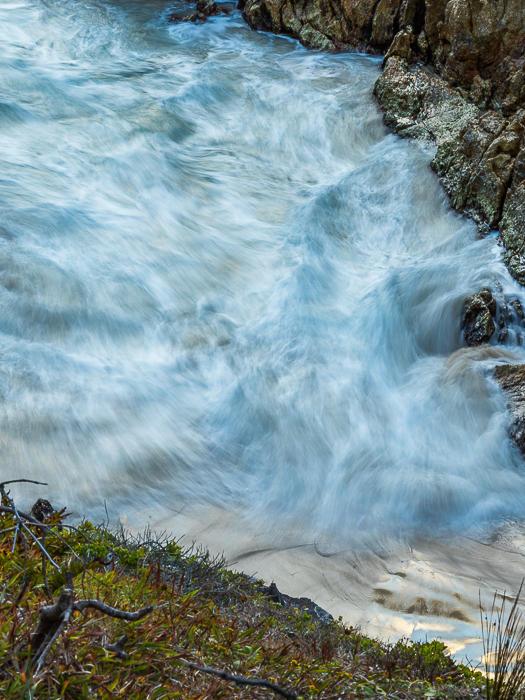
x,y
239,680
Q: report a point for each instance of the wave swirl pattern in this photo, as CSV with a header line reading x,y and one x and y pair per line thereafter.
x,y
222,282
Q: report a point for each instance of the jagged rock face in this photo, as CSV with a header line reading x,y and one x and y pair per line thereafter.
x,y
479,168
335,24
513,219
470,38
418,104
512,380
478,324
478,45
480,153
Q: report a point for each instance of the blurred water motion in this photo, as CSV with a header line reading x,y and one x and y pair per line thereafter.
x,y
222,282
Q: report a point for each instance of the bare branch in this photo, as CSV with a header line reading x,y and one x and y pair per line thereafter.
x,y
9,529
239,680
118,647
44,567
44,551
22,481
53,619
81,605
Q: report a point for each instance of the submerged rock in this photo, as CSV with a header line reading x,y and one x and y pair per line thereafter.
x,y
478,324
205,9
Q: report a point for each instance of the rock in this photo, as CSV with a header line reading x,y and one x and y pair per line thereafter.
x,y
470,38
469,98
480,92
511,378
402,46
512,227
205,9
489,300
331,25
274,594
519,309
480,155
416,103
42,510
475,45
478,324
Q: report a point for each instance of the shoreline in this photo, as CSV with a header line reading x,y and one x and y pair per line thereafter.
x,y
192,614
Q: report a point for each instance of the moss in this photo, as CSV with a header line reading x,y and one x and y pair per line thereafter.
x,y
204,614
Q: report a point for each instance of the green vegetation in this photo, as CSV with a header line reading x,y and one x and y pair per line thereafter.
x,y
504,648
203,614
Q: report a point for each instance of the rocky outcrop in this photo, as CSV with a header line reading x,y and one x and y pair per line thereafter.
x,y
513,219
511,378
272,593
478,323
480,153
204,9
477,45
333,24
454,74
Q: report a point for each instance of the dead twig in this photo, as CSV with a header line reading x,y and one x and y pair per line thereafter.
x,y
239,680
22,481
44,567
118,647
81,605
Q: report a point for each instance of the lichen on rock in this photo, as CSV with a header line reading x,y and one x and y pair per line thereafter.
x,y
474,45
480,154
454,74
511,378
478,324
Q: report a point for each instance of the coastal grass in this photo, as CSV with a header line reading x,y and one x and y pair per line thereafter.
x,y
504,648
203,615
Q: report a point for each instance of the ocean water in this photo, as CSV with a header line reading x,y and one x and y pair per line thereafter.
x,y
226,290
